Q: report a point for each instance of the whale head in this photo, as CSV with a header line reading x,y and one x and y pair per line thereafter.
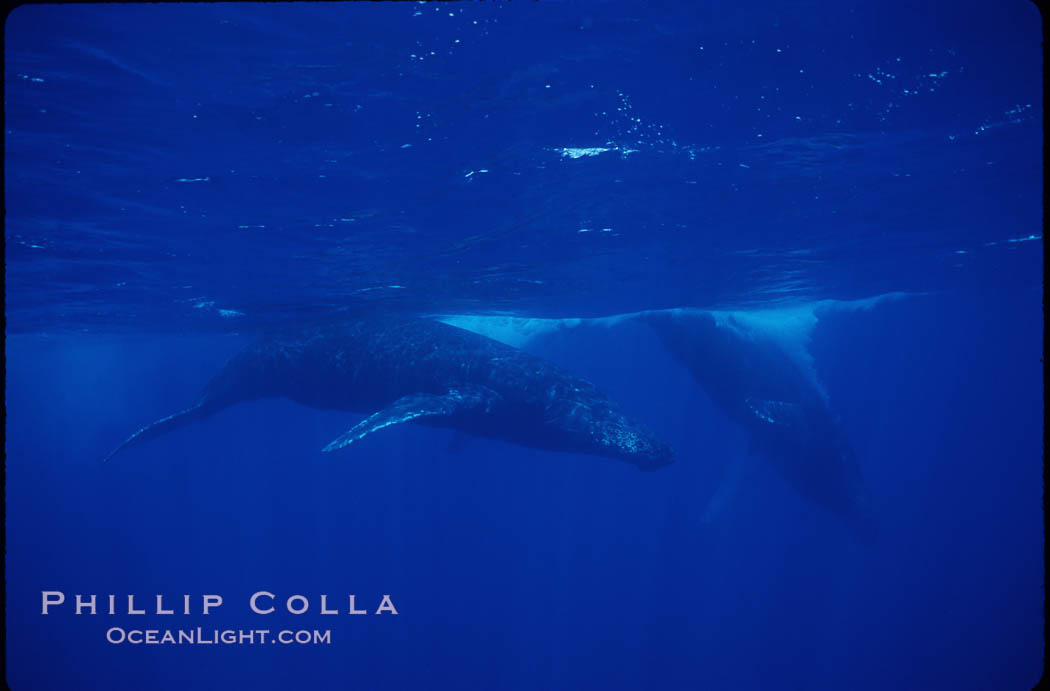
x,y
595,425
635,443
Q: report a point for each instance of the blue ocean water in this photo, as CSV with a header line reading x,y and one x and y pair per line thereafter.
x,y
181,177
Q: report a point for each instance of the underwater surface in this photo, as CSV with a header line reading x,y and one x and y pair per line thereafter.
x,y
801,245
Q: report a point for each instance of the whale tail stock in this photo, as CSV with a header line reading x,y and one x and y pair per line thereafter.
x,y
163,426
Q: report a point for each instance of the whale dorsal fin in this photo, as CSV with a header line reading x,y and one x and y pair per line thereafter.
x,y
417,405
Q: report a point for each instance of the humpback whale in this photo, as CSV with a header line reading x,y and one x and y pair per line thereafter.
x,y
754,381
428,372
756,368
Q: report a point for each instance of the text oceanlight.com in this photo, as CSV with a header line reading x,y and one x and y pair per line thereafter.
x,y
200,636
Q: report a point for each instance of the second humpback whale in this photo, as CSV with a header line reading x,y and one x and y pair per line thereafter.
x,y
420,370
756,384
756,367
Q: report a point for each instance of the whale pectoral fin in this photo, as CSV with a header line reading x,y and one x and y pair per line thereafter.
x,y
161,426
775,412
417,405
735,475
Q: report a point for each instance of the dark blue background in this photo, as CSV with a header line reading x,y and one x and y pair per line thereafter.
x,y
165,201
